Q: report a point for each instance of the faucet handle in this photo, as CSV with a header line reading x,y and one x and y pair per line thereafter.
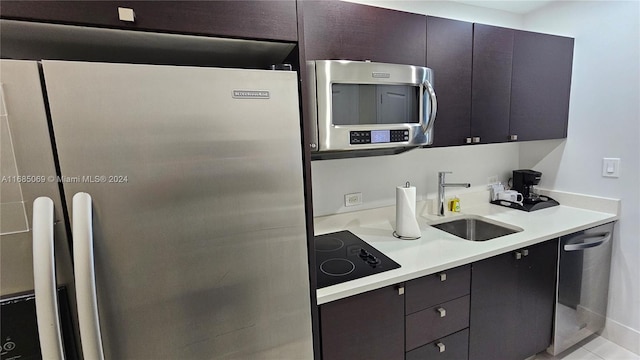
x,y
444,172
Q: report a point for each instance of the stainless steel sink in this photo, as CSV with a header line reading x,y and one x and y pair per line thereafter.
x,y
476,228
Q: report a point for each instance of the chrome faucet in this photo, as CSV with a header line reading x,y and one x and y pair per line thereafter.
x,y
441,186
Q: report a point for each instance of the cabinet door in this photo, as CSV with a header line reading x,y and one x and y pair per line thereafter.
x,y
449,50
512,303
491,86
541,83
245,19
338,30
494,308
537,297
364,326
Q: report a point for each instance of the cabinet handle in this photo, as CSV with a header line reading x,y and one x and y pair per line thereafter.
x,y
442,311
467,140
525,252
443,276
441,347
476,139
400,290
126,14
518,255
513,137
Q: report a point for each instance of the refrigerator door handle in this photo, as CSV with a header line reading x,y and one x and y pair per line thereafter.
x,y
44,279
84,273
602,238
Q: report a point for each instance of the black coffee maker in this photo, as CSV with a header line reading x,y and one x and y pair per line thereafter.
x,y
524,181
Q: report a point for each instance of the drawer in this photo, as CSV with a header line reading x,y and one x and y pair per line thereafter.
x,y
436,322
452,347
430,290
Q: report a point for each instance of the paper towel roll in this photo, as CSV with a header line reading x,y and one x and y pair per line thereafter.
x,y
406,222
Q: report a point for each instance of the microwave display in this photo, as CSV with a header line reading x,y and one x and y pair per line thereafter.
x,y
380,136
358,104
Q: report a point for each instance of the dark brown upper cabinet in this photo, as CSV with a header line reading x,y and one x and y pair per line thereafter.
x,y
337,30
540,86
449,51
265,20
491,86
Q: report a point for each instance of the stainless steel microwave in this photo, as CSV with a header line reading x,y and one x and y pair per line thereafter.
x,y
359,105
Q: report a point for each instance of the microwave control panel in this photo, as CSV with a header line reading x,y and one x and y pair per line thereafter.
x,y
378,136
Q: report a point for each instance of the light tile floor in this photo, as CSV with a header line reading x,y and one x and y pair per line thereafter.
x,y
598,348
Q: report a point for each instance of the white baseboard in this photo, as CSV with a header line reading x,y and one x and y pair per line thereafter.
x,y
622,335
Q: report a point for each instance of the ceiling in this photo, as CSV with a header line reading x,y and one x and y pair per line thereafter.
x,y
514,6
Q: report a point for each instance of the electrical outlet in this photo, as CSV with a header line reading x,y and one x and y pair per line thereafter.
x,y
353,199
492,179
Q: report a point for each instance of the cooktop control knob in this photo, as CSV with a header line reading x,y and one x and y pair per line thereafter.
x,y
364,254
372,260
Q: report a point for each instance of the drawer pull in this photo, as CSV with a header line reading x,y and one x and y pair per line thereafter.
x,y
400,290
443,276
525,252
441,347
518,255
442,311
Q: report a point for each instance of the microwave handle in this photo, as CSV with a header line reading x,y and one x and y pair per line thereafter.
x,y
428,90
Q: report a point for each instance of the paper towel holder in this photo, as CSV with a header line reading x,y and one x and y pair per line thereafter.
x,y
395,234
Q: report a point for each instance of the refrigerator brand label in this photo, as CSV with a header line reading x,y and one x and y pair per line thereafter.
x,y
381,75
250,94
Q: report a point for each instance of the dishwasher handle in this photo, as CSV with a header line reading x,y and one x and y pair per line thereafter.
x,y
601,239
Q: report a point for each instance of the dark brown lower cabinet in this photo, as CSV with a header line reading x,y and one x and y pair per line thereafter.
x,y
452,347
366,326
512,300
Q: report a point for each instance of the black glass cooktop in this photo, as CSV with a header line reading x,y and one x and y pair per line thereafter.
x,y
342,256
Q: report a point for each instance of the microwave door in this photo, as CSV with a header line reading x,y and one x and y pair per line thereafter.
x,y
345,99
396,104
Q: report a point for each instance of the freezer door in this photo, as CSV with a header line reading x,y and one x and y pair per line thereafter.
x,y
27,171
195,175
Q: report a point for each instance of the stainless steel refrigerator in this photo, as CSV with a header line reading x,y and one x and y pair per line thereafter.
x,y
183,189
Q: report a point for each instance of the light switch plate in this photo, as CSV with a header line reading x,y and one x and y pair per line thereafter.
x,y
611,167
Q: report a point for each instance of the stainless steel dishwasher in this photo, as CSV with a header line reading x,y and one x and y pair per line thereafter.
x,y
583,286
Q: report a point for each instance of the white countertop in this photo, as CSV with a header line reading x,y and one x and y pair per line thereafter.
x,y
437,250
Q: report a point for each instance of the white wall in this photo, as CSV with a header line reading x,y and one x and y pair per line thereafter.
x,y
377,177
604,121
